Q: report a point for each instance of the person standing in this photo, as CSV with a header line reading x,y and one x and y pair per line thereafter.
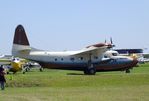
x,y
2,78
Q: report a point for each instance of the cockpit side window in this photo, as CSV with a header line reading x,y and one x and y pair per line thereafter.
x,y
114,54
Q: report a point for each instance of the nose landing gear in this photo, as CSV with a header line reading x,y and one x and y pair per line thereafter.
x,y
127,71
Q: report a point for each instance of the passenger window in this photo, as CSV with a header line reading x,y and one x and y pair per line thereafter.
x,y
95,57
81,58
72,59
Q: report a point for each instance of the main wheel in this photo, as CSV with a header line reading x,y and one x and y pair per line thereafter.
x,y
90,71
86,71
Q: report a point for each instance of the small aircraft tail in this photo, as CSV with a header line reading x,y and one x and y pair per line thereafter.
x,y
20,42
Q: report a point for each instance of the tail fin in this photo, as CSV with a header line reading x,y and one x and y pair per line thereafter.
x,y
20,37
21,44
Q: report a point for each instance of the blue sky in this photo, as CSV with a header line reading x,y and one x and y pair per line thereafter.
x,y
59,25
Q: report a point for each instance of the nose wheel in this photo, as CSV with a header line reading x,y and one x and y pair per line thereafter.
x,y
127,71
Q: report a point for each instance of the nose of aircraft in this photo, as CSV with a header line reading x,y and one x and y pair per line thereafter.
x,y
15,64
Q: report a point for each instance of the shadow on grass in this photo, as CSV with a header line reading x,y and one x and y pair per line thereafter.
x,y
79,74
75,74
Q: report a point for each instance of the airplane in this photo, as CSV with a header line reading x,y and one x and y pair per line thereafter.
x,y
16,65
89,59
144,58
11,64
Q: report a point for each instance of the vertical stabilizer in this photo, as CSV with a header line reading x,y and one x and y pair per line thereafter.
x,y
20,37
21,45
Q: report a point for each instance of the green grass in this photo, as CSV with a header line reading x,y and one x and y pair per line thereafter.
x,y
58,85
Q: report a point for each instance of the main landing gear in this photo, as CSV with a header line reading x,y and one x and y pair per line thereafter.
x,y
90,70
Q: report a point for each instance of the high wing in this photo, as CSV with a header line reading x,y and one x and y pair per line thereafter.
x,y
93,50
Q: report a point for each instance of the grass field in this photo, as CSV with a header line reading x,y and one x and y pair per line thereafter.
x,y
58,85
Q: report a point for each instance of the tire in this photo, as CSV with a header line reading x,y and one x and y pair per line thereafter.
x,y
90,71
7,72
41,69
86,71
127,70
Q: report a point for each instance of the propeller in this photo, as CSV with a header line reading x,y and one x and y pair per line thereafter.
x,y
105,41
111,40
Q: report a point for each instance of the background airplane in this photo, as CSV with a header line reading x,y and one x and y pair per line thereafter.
x,y
89,59
11,64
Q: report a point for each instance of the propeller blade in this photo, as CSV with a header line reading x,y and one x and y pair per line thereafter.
x,y
105,41
111,40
